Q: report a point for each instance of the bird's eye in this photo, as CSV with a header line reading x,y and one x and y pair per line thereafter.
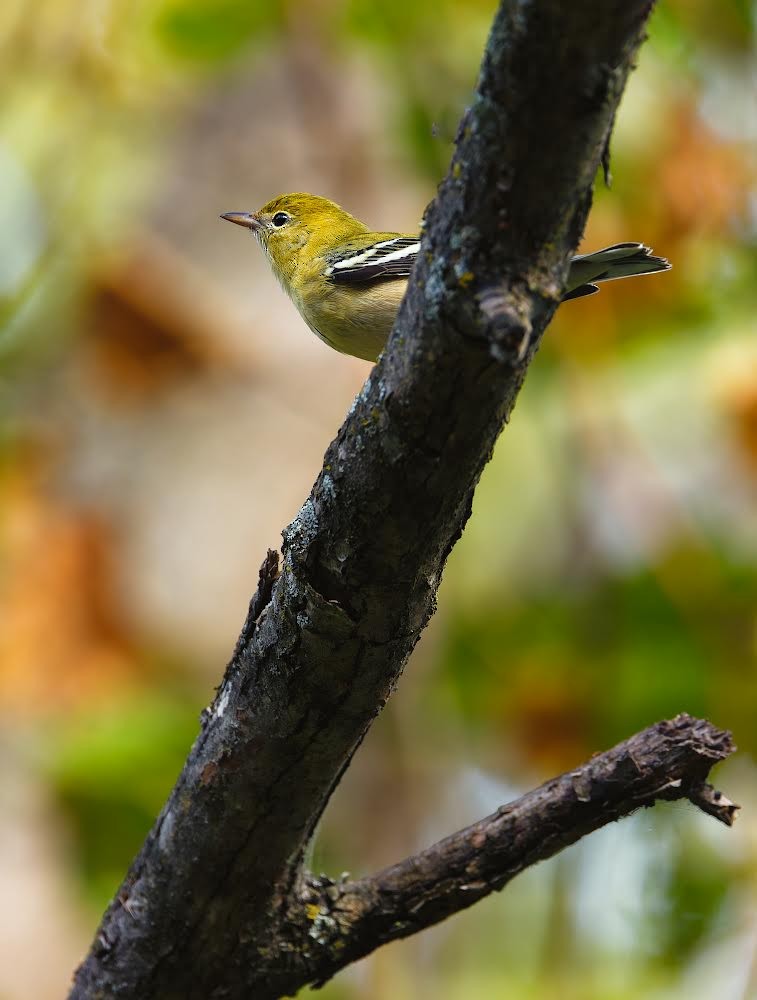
x,y
280,219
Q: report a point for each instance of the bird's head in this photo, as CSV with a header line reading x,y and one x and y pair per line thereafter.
x,y
291,222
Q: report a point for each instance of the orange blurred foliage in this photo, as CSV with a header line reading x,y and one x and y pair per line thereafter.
x,y
63,641
704,179
153,318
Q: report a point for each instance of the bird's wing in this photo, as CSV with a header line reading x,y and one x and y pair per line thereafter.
x,y
387,258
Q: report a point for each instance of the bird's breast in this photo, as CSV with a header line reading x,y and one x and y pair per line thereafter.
x,y
354,319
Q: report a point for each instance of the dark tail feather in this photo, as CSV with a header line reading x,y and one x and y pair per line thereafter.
x,y
624,260
581,292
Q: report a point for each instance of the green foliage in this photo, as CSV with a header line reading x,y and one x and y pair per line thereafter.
x,y
111,770
696,26
214,31
699,883
606,659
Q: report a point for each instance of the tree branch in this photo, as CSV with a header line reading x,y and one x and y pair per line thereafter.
x,y
206,902
338,923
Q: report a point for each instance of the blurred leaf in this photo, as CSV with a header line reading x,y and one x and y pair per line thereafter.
x,y
569,673
429,138
112,771
698,886
727,26
208,31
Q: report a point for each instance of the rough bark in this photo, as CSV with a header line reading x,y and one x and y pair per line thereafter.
x,y
205,907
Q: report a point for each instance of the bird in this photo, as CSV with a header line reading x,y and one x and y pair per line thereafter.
x,y
347,282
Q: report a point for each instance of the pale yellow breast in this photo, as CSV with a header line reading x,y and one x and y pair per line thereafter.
x,y
355,319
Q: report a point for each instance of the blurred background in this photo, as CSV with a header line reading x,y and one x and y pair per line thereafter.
x,y
164,412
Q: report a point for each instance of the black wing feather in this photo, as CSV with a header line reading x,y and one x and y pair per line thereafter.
x,y
373,266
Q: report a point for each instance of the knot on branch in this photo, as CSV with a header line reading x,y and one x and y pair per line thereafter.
x,y
506,315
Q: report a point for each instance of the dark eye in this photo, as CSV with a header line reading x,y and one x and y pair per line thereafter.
x,y
280,219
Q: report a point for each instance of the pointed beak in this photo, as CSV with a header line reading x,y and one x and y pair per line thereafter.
x,y
246,219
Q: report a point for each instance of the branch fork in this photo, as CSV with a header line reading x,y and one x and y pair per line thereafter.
x,y
217,903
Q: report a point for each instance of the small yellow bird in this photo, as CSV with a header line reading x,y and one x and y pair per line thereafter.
x,y
347,282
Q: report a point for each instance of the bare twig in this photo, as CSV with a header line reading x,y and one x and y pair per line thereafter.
x,y
340,922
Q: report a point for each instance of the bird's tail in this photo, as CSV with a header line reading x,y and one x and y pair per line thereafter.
x,y
620,261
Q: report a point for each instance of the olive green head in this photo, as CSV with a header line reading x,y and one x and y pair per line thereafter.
x,y
287,224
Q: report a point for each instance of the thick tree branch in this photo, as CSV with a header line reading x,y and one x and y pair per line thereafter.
x,y
337,923
205,904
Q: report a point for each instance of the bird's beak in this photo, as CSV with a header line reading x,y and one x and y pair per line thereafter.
x,y
246,219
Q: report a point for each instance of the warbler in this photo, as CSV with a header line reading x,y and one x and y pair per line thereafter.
x,y
347,282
